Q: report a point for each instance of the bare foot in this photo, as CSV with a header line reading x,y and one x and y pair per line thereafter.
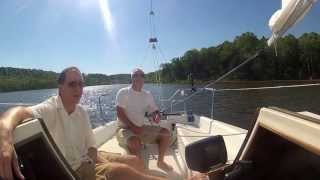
x,y
164,166
199,176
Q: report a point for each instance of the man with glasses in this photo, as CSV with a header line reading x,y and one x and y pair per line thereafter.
x,y
132,103
68,124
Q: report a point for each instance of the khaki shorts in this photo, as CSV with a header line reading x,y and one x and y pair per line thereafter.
x,y
149,135
86,171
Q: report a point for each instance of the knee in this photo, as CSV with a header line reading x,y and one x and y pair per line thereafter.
x,y
164,133
119,169
134,143
138,163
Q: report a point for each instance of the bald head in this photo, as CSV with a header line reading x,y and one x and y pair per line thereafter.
x,y
137,72
137,77
63,74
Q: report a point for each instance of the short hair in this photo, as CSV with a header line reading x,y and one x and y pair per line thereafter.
x,y
62,75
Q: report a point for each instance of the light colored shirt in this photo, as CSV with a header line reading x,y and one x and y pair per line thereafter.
x,y
135,104
71,132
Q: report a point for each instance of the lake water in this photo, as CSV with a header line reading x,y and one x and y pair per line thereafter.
x,y
234,107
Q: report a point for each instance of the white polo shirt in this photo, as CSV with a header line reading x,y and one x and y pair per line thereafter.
x,y
71,132
135,104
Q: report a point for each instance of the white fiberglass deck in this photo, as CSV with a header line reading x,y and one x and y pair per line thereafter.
x,y
150,155
186,133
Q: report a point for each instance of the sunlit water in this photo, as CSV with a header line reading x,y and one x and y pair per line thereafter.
x,y
236,108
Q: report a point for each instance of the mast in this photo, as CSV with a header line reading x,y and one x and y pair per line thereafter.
x,y
155,49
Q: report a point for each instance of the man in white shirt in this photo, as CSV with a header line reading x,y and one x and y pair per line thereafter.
x,y
68,124
132,103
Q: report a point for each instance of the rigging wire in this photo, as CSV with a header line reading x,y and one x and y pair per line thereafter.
x,y
144,56
213,82
156,52
267,87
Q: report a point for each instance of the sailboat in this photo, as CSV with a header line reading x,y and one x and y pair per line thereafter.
x,y
279,145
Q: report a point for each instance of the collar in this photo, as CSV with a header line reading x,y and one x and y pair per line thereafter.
x,y
131,89
59,103
61,107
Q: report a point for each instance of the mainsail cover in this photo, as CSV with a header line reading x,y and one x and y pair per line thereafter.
x,y
291,12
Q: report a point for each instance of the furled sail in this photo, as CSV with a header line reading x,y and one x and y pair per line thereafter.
x,y
291,12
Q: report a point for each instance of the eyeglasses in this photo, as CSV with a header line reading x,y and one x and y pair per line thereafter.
x,y
138,75
74,84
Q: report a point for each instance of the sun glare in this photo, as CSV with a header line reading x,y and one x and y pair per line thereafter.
x,y
106,15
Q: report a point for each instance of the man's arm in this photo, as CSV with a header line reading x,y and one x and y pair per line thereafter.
x,y
124,119
92,153
8,122
14,116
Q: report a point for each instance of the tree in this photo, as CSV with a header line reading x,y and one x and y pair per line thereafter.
x,y
309,44
296,59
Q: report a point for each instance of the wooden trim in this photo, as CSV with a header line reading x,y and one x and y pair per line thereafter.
x,y
295,129
247,140
301,116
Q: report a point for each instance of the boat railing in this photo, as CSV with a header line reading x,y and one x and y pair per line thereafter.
x,y
173,101
105,110
178,100
212,83
100,105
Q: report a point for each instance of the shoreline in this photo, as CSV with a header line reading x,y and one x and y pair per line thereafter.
x,y
244,82
248,82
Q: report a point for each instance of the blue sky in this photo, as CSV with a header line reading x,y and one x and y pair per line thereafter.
x,y
110,36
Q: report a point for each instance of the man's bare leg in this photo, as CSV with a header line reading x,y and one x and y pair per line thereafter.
x,y
131,160
164,140
199,176
119,171
134,146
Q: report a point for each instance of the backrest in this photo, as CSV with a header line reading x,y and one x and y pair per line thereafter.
x,y
38,154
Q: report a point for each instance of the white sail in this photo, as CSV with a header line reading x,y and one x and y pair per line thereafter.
x,y
291,12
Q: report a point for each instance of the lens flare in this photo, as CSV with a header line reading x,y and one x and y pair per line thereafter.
x,y
106,15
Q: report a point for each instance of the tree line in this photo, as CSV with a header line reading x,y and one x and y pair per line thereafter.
x,y
290,59
15,79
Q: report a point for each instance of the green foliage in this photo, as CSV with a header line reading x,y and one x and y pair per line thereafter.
x,y
120,79
297,59
16,79
96,79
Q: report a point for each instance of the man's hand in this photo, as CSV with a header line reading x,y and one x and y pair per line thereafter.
x,y
8,158
124,119
93,154
156,117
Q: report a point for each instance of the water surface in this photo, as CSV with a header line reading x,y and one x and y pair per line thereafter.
x,y
235,107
